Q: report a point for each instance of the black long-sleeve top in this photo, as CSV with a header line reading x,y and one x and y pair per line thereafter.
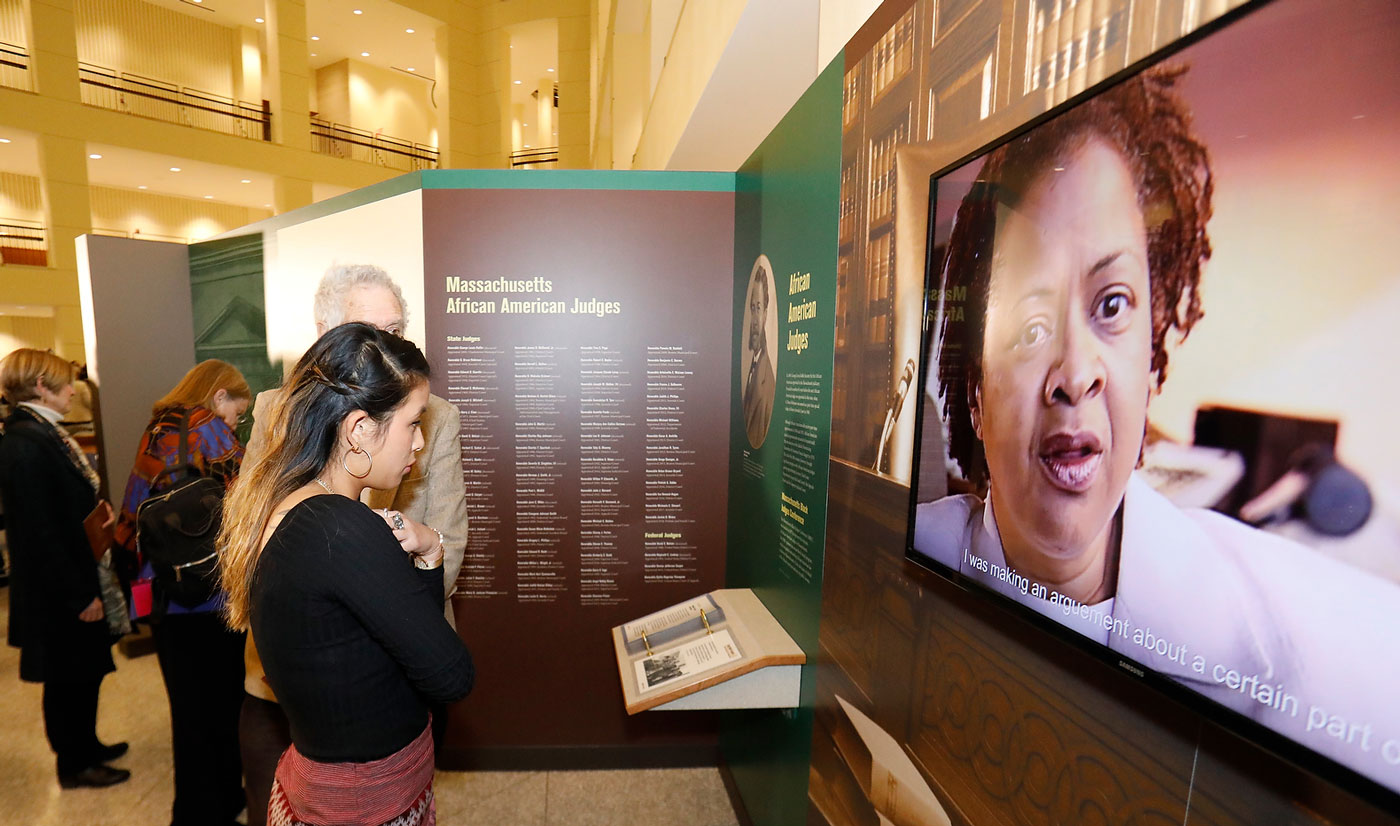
x,y
351,633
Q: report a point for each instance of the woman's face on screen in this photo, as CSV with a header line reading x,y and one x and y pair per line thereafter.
x,y
1066,357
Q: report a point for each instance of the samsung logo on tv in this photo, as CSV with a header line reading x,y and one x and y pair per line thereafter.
x,y
1131,669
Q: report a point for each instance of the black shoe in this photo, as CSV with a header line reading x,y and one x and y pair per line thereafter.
x,y
96,777
112,752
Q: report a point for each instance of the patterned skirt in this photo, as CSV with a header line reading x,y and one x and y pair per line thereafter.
x,y
423,812
393,791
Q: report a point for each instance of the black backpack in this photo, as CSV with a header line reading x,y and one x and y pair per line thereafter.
x,y
176,529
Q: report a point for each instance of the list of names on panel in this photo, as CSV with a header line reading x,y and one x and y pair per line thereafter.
x,y
605,429
542,414
668,547
625,528
474,386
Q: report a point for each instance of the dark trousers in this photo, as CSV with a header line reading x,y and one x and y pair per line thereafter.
x,y
263,734
202,663
70,721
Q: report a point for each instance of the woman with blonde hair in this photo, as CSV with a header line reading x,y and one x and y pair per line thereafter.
x,y
56,611
344,604
201,660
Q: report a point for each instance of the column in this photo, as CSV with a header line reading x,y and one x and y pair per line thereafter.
x,y
575,50
290,193
67,214
53,49
288,85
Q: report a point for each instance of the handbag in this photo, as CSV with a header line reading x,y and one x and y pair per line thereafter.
x,y
176,530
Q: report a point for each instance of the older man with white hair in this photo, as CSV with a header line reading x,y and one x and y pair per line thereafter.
x,y
430,502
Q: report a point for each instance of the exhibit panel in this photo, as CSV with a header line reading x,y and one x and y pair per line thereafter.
x,y
938,705
784,290
134,353
580,330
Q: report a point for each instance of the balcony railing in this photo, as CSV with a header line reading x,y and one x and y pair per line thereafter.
x,y
340,141
23,242
14,66
147,97
534,158
143,236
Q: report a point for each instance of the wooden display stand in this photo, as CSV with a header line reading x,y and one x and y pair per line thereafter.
x,y
722,649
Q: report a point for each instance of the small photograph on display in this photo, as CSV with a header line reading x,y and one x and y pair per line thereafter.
x,y
1161,352
759,353
686,660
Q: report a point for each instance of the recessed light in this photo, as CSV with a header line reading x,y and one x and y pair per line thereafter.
x,y
364,54
409,69
267,206
517,83
527,146
95,156
315,37
142,186
549,70
208,197
246,181
408,31
4,140
259,20
524,124
174,169
358,11
313,54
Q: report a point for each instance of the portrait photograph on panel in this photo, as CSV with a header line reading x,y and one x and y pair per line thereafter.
x,y
759,354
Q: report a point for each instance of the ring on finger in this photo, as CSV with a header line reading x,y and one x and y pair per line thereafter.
x,y
398,521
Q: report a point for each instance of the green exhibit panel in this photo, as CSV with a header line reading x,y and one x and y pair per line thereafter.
x,y
784,295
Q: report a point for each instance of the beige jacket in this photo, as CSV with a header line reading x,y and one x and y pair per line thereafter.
x,y
432,494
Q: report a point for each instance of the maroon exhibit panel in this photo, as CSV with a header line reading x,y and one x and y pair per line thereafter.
x,y
584,336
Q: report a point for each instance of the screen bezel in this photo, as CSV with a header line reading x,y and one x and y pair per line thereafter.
x,y
1344,777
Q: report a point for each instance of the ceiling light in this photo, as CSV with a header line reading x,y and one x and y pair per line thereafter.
x,y
208,197
197,1
174,169
267,206
246,181
364,54
142,186
259,20
315,37
527,146
524,124
409,69
549,70
313,54
4,140
358,11
95,156
517,83
408,31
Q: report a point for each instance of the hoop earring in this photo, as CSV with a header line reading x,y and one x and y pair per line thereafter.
x,y
356,449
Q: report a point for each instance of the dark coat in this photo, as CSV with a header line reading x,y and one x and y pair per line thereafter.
x,y
53,576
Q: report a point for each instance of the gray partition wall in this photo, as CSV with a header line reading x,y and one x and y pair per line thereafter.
x,y
137,322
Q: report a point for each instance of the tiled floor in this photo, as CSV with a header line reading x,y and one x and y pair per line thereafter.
x,y
134,709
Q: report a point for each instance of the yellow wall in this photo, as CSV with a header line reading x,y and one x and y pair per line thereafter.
x,y
36,332
164,217
20,197
158,43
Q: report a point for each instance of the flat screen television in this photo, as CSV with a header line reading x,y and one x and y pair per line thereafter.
x,y
1161,372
